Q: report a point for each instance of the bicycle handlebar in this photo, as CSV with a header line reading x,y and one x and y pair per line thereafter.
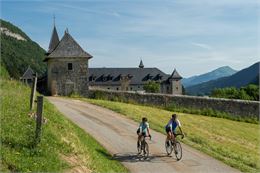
x,y
148,137
179,134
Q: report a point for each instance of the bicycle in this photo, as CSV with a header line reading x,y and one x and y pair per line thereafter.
x,y
174,144
142,146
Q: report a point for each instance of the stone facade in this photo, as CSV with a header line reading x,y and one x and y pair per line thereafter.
x,y
132,88
65,81
176,87
172,87
242,108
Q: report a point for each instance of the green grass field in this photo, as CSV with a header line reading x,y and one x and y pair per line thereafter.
x,y
235,143
63,146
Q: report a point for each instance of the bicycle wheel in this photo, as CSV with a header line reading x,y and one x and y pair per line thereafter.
x,y
146,149
168,147
139,148
178,150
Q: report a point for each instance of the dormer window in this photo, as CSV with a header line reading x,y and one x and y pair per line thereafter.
x,y
70,66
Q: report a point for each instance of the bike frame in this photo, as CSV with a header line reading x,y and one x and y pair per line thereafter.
x,y
143,142
175,136
174,142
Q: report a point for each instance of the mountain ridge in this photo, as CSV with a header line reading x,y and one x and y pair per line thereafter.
x,y
249,75
214,74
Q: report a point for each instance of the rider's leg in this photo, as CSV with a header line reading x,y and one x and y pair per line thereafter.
x,y
169,136
173,136
139,137
168,132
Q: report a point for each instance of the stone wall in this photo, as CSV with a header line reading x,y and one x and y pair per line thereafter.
x,y
240,108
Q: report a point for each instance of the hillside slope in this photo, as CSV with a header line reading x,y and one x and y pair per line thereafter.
x,y
18,51
215,74
63,147
239,79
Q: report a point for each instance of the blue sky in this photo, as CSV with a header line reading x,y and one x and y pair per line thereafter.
x,y
194,36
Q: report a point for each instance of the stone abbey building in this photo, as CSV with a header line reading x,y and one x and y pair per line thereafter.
x,y
134,79
68,72
67,64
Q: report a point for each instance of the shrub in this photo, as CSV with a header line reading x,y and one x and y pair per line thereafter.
x,y
250,92
152,87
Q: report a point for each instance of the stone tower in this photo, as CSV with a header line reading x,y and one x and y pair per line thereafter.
x,y
67,66
175,83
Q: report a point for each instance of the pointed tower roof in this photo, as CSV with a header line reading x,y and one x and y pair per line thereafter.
x,y
141,65
54,40
175,75
68,47
28,74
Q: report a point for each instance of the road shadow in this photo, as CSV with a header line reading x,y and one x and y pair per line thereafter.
x,y
134,157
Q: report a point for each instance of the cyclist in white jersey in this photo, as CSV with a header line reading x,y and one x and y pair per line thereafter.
x,y
143,129
171,127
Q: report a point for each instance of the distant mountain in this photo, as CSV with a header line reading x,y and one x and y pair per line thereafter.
x,y
239,79
18,51
215,74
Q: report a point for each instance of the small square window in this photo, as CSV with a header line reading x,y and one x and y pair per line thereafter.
x,y
70,66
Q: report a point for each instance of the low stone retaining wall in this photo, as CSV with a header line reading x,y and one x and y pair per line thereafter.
x,y
242,108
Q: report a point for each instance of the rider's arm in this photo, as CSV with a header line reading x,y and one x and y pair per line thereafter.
x,y
179,125
148,129
180,130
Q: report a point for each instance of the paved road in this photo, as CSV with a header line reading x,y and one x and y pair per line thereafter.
x,y
118,135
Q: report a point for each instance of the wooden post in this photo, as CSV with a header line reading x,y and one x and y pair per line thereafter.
x,y
33,91
39,119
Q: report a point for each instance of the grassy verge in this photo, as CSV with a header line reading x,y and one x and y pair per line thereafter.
x,y
235,143
63,146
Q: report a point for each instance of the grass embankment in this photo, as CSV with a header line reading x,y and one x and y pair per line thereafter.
x,y
235,143
63,146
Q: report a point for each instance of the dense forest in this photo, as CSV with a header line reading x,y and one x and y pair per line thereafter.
x,y
249,92
17,55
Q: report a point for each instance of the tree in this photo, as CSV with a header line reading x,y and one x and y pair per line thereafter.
x,y
152,87
250,92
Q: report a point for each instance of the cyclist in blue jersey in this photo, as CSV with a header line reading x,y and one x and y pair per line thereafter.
x,y
171,127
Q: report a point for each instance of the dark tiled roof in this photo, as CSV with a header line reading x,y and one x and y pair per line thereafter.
x,y
54,40
28,74
68,47
175,75
111,76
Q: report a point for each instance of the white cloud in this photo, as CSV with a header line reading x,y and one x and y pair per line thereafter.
x,y
201,45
